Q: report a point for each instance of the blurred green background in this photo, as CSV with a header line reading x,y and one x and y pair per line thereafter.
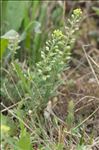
x,y
32,20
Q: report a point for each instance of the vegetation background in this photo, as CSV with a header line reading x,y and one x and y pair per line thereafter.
x,y
49,75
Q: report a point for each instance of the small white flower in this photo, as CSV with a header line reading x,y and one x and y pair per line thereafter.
x,y
30,112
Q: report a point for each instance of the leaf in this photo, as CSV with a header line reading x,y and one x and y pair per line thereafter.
x,y
4,41
3,6
20,74
96,9
37,26
59,146
4,45
4,126
24,142
10,35
81,147
32,25
70,116
15,13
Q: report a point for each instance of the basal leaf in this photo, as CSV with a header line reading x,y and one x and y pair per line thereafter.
x,y
15,13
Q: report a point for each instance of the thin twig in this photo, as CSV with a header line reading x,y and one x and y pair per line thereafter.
x,y
86,119
93,61
12,106
90,63
17,117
